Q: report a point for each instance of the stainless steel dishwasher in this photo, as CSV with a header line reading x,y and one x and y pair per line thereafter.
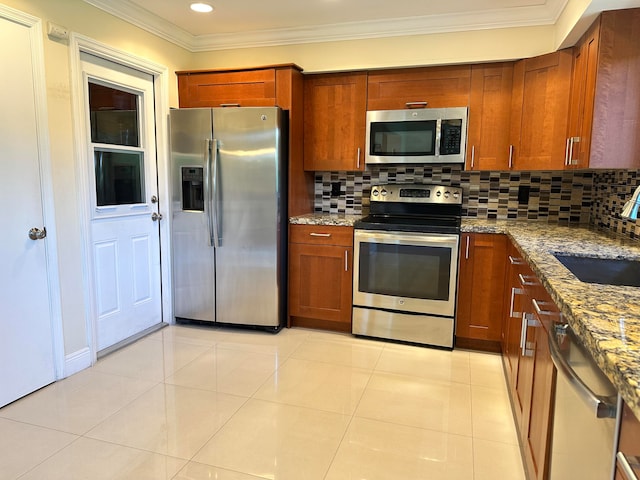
x,y
584,421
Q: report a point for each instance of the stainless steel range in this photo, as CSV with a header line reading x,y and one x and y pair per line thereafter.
x,y
406,264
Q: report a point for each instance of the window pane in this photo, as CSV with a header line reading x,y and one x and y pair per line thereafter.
x,y
114,116
119,177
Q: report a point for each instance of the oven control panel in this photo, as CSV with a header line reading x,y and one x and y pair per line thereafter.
x,y
407,193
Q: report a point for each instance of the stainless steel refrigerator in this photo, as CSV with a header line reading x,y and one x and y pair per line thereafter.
x,y
229,215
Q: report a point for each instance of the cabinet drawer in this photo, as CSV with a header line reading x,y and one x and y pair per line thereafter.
x,y
321,235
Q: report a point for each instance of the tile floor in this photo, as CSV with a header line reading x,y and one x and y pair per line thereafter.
x,y
193,403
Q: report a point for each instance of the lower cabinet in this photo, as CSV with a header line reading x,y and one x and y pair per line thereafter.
x,y
528,366
628,456
480,291
320,282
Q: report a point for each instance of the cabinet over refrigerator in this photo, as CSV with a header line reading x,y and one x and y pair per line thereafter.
x,y
229,218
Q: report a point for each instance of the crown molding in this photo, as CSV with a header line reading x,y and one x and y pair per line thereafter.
x,y
544,14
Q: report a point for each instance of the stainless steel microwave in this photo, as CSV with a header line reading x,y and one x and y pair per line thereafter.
x,y
429,135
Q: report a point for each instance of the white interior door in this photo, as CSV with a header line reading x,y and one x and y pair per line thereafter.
x,y
125,233
26,334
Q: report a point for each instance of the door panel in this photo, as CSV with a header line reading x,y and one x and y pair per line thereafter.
x,y
121,151
26,338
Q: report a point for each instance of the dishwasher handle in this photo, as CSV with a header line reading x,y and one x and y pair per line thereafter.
x,y
603,407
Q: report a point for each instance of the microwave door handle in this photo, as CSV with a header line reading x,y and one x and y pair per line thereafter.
x,y
438,135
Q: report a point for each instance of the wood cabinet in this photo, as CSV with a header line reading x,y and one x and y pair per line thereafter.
x,y
489,117
535,429
275,85
528,366
540,111
629,445
480,291
246,88
433,87
605,114
585,64
335,115
320,270
513,303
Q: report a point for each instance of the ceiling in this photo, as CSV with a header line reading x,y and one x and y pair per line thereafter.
x,y
253,23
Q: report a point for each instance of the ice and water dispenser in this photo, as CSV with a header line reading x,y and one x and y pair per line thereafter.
x,y
192,189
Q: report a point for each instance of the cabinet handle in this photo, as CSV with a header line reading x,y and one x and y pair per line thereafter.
x,y
572,142
346,260
566,152
510,156
225,105
358,159
473,156
624,466
416,104
523,333
325,235
514,291
466,254
515,261
539,311
525,282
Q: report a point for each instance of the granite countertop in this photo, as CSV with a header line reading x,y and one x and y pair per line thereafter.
x,y
605,317
335,219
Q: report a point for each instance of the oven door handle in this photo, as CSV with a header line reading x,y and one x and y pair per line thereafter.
x,y
408,238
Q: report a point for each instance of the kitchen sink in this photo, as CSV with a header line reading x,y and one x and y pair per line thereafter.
x,y
605,271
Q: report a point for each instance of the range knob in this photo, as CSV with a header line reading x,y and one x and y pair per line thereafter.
x,y
456,194
438,193
446,194
374,192
383,192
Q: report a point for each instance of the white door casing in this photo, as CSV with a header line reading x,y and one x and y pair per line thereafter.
x,y
122,243
31,351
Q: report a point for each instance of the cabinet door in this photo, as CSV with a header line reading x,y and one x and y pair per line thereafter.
x,y
536,430
585,66
246,88
513,306
320,282
540,111
433,87
615,141
489,116
335,115
629,444
480,287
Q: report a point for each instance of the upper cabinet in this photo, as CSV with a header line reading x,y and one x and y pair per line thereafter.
x,y
605,110
334,117
540,111
489,117
431,87
245,88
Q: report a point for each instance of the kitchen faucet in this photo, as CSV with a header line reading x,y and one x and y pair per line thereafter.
x,y
630,209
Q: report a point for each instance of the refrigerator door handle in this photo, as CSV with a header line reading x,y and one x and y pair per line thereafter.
x,y
215,193
208,191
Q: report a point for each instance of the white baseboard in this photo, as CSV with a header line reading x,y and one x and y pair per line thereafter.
x,y
76,361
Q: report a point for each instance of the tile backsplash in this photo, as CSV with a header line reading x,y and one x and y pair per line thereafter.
x,y
567,197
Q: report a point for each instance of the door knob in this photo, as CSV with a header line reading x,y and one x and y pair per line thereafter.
x,y
154,199
37,234
156,216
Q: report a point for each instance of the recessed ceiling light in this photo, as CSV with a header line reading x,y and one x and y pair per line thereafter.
x,y
201,7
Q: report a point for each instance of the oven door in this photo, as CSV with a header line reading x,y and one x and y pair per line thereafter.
x,y
406,272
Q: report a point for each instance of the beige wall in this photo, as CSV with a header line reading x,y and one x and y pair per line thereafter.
x,y
82,18
445,48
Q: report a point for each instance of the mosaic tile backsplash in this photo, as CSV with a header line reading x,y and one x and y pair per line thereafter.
x,y
565,197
